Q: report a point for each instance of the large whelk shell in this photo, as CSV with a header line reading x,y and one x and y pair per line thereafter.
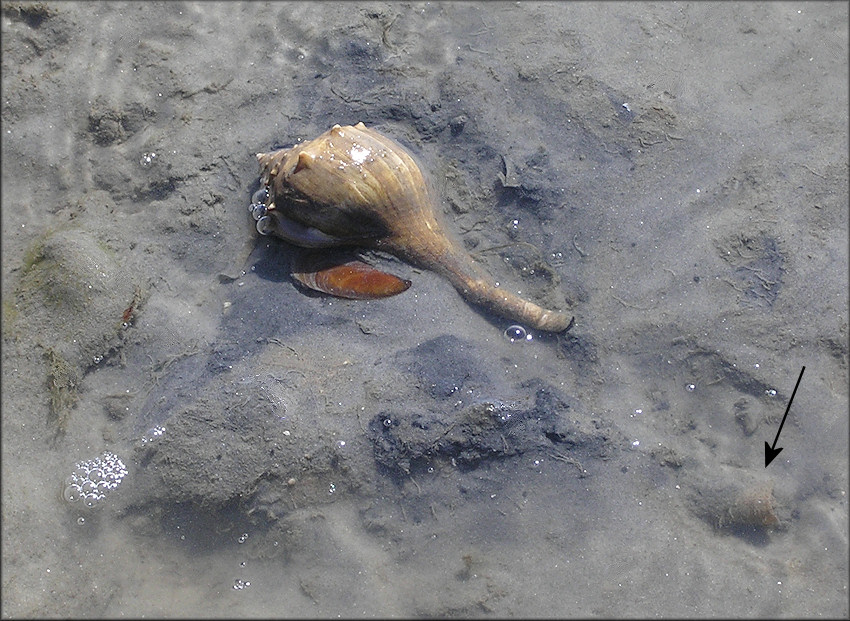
x,y
354,186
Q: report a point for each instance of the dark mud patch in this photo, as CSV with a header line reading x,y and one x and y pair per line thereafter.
x,y
406,442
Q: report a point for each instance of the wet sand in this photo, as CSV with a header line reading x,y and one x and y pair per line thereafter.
x,y
675,175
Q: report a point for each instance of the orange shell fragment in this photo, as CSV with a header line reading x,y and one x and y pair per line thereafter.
x,y
354,280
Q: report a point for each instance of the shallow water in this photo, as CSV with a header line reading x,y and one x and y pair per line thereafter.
x,y
676,175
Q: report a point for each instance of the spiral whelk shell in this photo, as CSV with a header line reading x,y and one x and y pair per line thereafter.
x,y
353,186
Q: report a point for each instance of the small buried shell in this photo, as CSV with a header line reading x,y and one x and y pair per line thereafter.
x,y
741,504
353,279
751,507
353,186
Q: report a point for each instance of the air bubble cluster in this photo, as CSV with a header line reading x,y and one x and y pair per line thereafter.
x,y
154,433
258,211
147,159
92,480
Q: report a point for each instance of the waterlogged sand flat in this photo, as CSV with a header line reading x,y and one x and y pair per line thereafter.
x,y
674,174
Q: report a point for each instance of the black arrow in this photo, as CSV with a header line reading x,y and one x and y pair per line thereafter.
x,y
770,452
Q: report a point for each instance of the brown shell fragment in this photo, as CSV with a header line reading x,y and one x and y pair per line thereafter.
x,y
353,279
355,186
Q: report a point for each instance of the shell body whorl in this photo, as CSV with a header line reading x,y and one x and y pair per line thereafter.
x,y
350,182
354,186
